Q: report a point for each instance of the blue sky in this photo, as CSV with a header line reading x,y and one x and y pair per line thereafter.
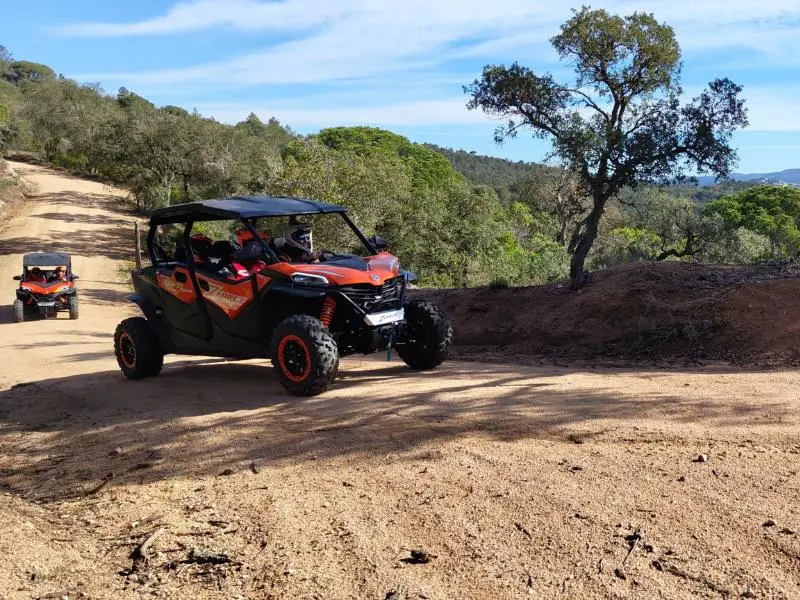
x,y
398,65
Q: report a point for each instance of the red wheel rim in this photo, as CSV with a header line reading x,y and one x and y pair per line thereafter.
x,y
294,358
127,351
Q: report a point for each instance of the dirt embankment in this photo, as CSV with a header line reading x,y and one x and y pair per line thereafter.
x,y
652,311
12,190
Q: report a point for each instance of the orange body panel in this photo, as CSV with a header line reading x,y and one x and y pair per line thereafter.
x,y
231,298
261,281
245,235
380,267
43,288
183,291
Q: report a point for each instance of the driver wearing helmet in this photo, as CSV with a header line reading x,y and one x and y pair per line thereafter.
x,y
60,274
297,244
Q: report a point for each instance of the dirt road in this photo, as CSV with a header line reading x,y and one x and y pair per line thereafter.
x,y
516,482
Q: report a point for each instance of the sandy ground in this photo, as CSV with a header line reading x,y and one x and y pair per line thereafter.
x,y
515,482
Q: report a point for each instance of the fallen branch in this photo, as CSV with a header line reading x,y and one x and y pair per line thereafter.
x,y
635,537
102,484
140,552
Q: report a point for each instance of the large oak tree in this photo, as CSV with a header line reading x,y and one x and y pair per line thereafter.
x,y
620,122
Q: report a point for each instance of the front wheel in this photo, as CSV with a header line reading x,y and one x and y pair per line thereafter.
x,y
305,355
427,338
74,311
19,311
137,350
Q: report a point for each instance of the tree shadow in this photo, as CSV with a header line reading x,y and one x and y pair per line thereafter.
x,y
108,242
107,202
105,295
202,417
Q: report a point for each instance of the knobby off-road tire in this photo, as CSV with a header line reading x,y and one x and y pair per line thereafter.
x,y
137,350
305,355
428,336
19,311
74,309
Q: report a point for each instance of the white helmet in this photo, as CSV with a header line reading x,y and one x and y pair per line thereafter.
x,y
298,235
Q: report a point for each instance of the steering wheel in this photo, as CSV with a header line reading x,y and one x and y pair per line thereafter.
x,y
325,254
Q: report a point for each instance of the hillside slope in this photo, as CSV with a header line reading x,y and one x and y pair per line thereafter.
x,y
641,310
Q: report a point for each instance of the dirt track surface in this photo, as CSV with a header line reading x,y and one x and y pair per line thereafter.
x,y
518,482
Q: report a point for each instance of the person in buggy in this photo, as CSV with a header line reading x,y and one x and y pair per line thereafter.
x,y
35,275
297,244
60,274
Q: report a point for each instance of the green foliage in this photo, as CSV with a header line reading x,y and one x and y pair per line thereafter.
x,y
504,176
771,211
272,132
132,101
428,168
20,72
619,123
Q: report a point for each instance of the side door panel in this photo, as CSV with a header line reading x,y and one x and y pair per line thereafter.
x,y
232,305
182,310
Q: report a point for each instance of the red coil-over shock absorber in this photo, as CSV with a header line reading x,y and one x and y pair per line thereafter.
x,y
328,308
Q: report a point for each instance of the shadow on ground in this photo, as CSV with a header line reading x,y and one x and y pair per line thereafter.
x,y
108,235
201,417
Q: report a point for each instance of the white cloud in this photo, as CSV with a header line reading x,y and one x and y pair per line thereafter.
x,y
336,40
355,42
773,109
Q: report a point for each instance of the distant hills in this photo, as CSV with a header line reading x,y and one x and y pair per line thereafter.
x,y
508,177
789,176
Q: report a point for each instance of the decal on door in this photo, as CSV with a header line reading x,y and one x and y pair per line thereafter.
x,y
262,280
230,298
182,290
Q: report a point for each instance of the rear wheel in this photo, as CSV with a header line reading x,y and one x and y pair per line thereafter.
x,y
427,338
137,350
74,312
19,311
305,355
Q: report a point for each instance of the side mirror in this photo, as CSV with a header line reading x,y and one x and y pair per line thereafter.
x,y
75,277
17,277
378,242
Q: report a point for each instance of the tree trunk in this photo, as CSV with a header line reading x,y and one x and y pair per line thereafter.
x,y
577,274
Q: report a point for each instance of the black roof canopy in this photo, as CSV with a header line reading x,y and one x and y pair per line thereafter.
x,y
237,207
46,259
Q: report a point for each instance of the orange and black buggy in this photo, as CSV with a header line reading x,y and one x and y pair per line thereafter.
x,y
226,280
46,286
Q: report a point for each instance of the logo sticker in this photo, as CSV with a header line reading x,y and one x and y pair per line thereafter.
x,y
374,278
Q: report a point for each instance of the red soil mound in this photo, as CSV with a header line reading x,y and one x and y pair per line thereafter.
x,y
640,310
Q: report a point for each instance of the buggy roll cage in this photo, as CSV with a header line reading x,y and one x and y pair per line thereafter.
x,y
245,209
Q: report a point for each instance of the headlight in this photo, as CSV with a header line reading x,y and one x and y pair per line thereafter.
x,y
25,289
308,279
66,288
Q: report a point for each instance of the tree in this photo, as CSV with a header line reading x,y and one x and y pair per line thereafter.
x,y
772,211
133,101
429,168
620,123
271,132
679,228
20,71
560,194
5,63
